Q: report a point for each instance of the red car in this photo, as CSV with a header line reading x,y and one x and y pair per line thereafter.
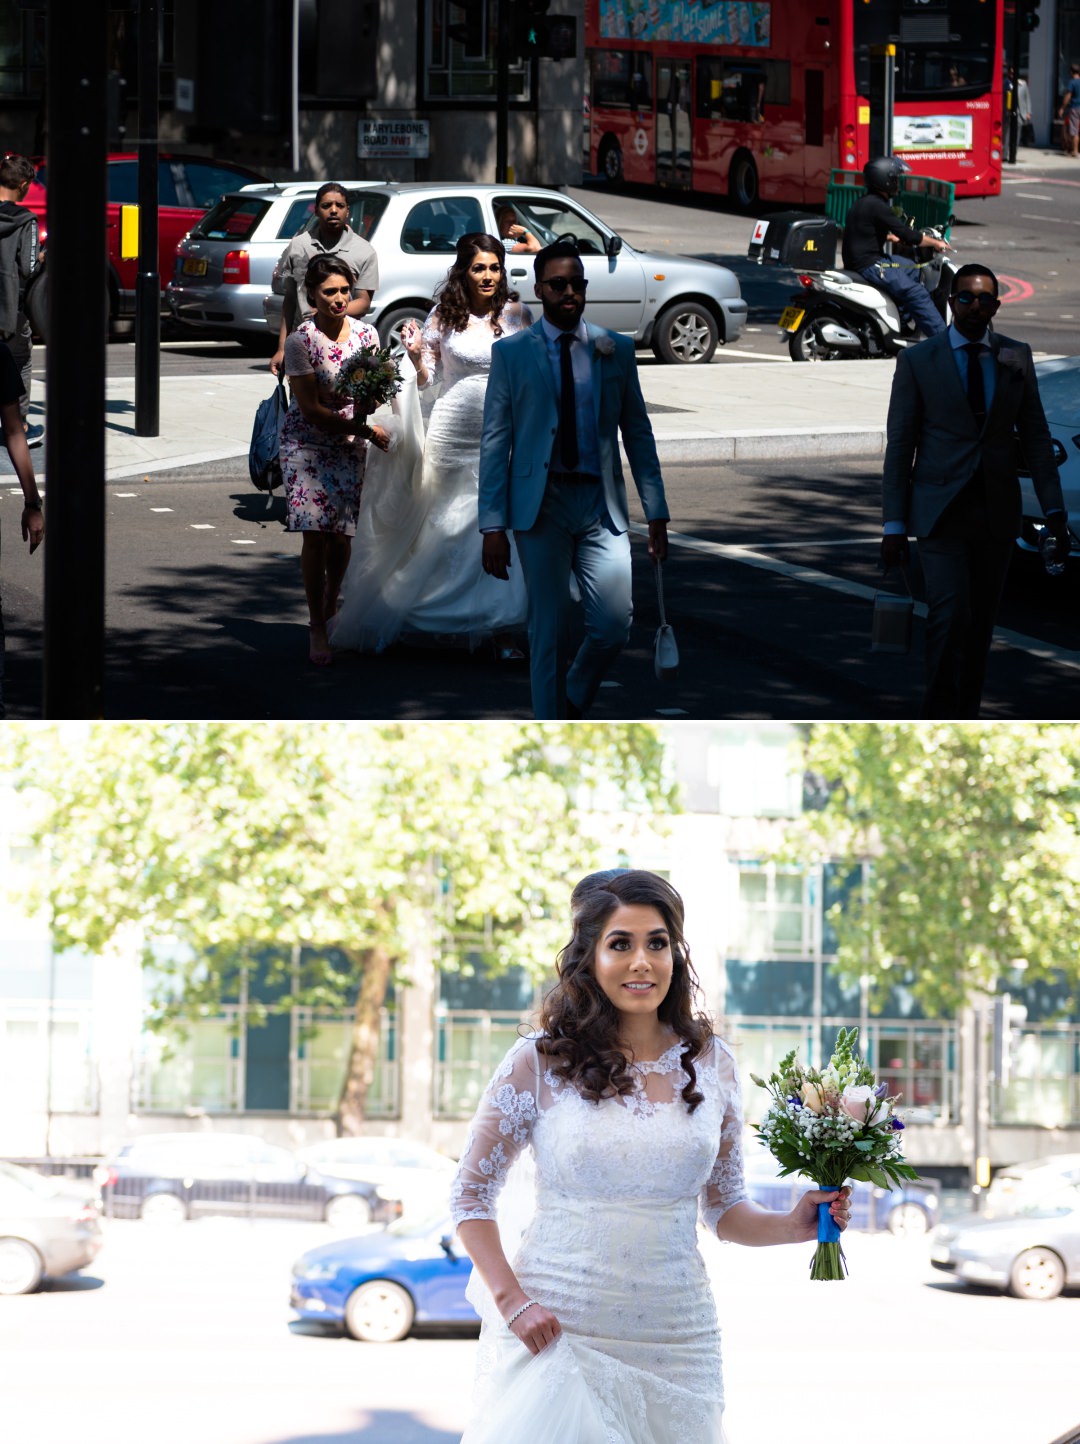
x,y
188,185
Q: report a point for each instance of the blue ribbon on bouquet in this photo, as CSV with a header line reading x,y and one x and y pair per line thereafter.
x,y
828,1230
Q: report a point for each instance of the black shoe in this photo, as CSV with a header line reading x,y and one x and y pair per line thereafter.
x,y
573,711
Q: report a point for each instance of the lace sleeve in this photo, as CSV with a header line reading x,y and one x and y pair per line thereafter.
x,y
501,1129
431,350
725,1185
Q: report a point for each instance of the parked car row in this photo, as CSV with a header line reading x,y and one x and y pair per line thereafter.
x,y
224,268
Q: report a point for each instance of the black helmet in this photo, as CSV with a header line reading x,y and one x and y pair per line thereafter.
x,y
883,174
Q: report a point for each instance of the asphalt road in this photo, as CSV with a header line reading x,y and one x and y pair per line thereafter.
x,y
768,588
185,1334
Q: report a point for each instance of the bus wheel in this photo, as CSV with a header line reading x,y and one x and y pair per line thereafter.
x,y
610,159
742,181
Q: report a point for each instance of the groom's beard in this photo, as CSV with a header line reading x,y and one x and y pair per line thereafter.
x,y
559,314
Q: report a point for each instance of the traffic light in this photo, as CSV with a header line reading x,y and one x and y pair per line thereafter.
x,y
1029,14
528,29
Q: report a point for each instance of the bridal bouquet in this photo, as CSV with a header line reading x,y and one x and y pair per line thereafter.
x,y
369,378
830,1125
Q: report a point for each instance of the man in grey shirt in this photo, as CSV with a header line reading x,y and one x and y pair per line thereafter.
x,y
331,235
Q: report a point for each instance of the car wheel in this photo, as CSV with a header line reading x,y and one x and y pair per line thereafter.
x,y
609,159
379,1312
1037,1274
391,324
21,1267
163,1208
685,333
743,181
349,1210
908,1220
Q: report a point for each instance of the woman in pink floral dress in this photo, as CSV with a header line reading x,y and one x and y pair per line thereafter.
x,y
322,449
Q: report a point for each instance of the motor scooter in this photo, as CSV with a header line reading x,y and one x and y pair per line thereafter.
x,y
838,315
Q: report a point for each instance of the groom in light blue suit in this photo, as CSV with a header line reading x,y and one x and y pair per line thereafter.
x,y
557,398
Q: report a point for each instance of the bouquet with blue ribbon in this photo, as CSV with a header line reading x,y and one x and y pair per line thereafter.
x,y
830,1125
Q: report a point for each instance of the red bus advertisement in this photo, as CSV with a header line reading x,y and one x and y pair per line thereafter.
x,y
761,99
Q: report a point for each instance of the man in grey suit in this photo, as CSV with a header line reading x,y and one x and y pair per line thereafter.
x,y
557,397
959,401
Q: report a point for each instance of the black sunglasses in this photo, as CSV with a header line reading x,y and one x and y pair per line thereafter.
x,y
577,284
984,301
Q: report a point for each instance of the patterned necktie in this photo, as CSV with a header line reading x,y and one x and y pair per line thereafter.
x,y
568,439
975,387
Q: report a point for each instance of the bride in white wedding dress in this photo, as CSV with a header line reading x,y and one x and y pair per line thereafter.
x,y
603,1330
416,557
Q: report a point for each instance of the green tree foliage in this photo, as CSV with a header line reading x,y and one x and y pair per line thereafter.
x,y
324,849
972,835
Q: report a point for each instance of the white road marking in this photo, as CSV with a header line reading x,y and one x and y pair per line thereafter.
x,y
1057,220
1045,651
242,543
857,541
1031,196
125,493
202,526
161,508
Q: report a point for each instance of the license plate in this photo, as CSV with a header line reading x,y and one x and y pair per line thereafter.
x,y
194,266
791,318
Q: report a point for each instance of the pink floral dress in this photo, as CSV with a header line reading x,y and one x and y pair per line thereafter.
x,y
323,473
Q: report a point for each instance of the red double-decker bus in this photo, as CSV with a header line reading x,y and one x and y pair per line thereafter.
x,y
763,98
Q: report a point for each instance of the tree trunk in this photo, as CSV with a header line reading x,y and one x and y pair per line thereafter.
x,y
364,1047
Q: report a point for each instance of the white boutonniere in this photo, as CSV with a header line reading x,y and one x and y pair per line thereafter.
x,y
605,345
1011,358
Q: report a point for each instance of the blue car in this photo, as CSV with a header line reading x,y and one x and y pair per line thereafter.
x,y
380,1285
909,1210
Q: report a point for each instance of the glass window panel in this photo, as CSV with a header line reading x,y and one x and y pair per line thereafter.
x,y
789,889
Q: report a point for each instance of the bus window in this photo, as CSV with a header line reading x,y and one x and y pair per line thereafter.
x,y
621,80
731,90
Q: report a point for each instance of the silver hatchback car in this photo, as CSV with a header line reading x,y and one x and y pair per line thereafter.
x,y
679,307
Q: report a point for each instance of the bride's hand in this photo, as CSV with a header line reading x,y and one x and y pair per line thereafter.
x,y
412,338
804,1215
380,437
536,1328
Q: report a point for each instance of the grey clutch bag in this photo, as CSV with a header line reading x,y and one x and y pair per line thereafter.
x,y
891,631
665,648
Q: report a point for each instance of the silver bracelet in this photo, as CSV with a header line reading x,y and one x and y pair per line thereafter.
x,y
517,1315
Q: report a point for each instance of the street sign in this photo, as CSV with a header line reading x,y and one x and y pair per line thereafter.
x,y
392,139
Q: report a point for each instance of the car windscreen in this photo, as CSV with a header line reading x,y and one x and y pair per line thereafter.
x,y
1060,393
232,219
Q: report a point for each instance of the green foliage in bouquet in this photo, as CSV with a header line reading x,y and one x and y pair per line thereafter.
x,y
369,378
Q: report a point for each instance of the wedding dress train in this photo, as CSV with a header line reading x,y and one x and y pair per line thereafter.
x,y
611,1250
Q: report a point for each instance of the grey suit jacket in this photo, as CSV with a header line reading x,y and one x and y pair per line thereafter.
x,y
521,414
934,446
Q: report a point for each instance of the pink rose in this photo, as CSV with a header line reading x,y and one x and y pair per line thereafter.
x,y
858,1101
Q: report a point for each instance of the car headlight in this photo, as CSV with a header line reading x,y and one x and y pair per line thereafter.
x,y
313,1271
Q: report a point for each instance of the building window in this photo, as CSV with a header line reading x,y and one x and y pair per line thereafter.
x,y
1044,1086
775,915
49,1069
917,1061
758,1045
220,1066
469,1047
460,46
320,1053
757,772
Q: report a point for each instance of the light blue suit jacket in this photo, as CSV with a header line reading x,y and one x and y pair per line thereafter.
x,y
521,417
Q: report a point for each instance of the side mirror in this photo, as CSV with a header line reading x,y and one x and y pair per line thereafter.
x,y
614,246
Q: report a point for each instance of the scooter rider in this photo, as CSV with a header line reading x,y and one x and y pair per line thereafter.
x,y
872,222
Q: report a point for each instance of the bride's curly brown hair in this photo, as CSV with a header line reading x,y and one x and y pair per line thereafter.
x,y
454,302
580,1024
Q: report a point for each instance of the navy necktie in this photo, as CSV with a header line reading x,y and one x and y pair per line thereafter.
x,y
975,387
568,439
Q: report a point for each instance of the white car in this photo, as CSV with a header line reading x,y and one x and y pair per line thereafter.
x,y
923,132
1059,388
1020,1185
48,1227
680,307
400,1169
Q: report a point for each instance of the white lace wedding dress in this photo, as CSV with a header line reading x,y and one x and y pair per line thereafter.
x,y
611,1251
415,566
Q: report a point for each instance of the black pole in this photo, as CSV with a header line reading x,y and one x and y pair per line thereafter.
x,y
75,362
148,280
502,93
